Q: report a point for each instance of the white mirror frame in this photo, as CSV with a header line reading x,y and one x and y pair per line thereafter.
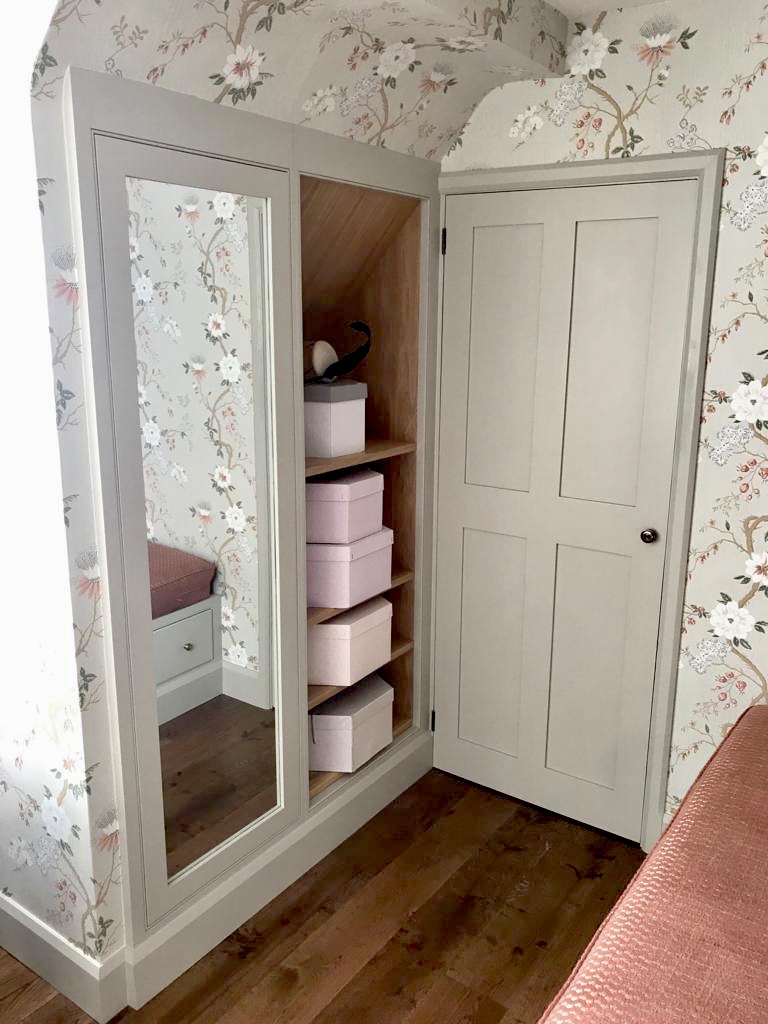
x,y
101,162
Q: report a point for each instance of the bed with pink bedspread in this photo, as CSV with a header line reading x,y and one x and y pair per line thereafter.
x,y
687,943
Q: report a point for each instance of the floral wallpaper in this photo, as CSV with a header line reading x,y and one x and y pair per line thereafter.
x,y
191,275
671,78
404,76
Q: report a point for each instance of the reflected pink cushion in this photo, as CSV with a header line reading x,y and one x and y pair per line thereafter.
x,y
177,579
687,943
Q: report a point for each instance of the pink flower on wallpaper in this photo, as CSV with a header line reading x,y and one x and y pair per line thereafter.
x,y
658,40
88,581
66,285
108,840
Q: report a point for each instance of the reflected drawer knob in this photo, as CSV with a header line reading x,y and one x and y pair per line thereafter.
x,y
189,647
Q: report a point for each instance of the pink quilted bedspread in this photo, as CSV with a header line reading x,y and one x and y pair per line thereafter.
x,y
687,943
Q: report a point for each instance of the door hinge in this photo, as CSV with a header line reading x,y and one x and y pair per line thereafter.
x,y
444,240
432,721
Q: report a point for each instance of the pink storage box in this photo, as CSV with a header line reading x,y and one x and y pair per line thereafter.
x,y
345,508
334,418
342,575
348,730
352,645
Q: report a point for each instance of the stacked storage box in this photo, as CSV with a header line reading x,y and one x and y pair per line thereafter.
x,y
349,563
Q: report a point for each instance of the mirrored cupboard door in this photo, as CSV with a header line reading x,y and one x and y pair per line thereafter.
x,y
197,279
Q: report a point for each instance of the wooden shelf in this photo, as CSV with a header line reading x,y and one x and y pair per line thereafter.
x,y
317,615
400,647
320,781
375,450
320,694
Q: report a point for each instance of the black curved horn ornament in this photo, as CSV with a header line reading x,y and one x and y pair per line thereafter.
x,y
352,360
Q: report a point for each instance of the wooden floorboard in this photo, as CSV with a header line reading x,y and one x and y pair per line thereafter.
x,y
455,905
219,773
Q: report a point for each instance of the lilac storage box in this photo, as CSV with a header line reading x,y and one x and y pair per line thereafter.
x,y
342,575
345,508
349,729
351,646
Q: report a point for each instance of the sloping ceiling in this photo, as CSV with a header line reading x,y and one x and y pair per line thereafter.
x,y
403,75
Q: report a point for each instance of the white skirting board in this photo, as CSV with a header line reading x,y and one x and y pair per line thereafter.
x,y
246,685
98,987
183,693
134,976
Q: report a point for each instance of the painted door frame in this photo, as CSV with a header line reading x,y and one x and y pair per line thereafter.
x,y
706,168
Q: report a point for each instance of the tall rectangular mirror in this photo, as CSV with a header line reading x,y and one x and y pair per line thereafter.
x,y
201,322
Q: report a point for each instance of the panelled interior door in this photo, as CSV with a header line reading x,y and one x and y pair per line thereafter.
x,y
565,320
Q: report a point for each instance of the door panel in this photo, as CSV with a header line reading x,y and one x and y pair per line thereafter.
x,y
608,358
564,330
491,640
588,641
500,400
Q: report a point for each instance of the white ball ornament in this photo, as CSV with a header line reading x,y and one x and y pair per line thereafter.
x,y
323,356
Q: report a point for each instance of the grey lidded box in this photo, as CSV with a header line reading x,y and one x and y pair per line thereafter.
x,y
337,391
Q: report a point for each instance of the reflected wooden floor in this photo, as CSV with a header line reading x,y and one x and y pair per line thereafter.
x,y
455,905
218,765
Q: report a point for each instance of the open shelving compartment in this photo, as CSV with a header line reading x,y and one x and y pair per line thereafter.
x,y
360,252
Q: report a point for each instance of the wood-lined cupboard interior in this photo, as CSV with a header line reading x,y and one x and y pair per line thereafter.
x,y
360,260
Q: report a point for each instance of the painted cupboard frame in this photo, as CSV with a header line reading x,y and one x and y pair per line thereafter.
x,y
235,880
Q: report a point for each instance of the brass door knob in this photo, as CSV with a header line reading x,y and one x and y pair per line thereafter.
x,y
649,535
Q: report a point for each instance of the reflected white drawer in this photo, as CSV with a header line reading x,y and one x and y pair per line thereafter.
x,y
183,645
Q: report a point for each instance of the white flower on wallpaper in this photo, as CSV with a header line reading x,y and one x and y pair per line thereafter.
x,y
756,567
761,157
586,52
143,289
230,369
750,402
322,101
730,621
216,328
223,204
527,123
394,59
242,67
22,852
171,328
150,432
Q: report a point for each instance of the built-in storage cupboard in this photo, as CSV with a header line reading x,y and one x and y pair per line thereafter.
x,y
361,259
217,247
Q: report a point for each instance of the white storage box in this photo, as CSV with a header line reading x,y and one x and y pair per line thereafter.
x,y
352,645
349,729
334,418
345,508
342,575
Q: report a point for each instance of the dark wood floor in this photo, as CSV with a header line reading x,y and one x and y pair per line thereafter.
x,y
455,905
219,774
